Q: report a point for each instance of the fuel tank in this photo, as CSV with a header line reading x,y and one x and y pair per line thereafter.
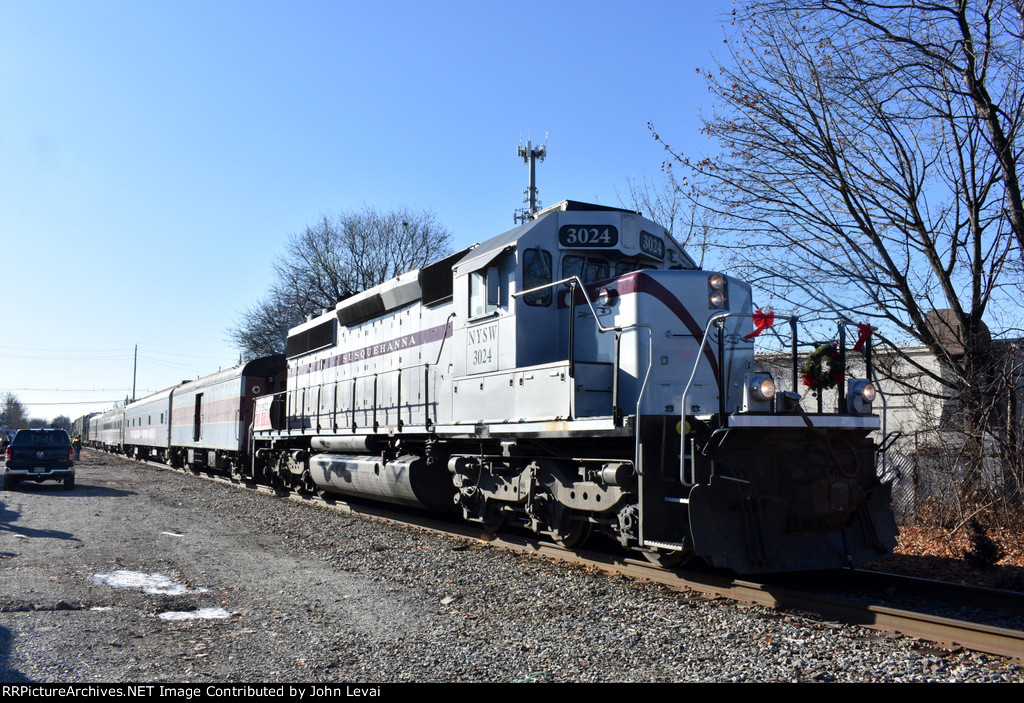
x,y
405,480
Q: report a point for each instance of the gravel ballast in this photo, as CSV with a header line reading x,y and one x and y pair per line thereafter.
x,y
252,588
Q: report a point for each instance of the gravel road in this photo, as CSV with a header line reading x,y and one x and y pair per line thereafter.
x,y
146,575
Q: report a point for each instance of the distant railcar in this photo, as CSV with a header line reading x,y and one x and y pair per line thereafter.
x,y
211,417
199,424
81,427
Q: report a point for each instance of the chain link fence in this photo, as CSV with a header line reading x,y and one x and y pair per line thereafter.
x,y
899,467
934,483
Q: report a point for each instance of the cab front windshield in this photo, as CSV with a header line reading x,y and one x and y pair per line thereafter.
x,y
591,269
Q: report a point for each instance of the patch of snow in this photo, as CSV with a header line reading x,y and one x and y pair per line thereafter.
x,y
201,613
150,583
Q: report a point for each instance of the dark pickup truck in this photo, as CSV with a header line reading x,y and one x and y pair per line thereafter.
x,y
39,455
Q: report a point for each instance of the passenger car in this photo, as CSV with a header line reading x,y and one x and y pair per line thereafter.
x,y
39,455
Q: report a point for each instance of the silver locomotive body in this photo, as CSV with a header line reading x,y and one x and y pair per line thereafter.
x,y
577,373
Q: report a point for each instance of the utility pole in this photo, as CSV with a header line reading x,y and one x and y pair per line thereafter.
x,y
135,367
530,156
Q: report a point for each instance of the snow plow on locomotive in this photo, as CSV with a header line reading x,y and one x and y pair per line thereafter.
x,y
578,373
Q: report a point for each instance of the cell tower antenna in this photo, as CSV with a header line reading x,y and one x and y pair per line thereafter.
x,y
531,156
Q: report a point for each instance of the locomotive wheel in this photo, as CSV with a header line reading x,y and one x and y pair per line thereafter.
x,y
571,533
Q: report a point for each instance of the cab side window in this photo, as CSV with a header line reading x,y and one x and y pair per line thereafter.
x,y
622,267
489,287
537,272
478,301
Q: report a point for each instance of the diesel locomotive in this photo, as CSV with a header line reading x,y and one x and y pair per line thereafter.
x,y
578,374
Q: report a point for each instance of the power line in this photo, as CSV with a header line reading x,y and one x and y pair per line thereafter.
x,y
73,402
103,353
64,390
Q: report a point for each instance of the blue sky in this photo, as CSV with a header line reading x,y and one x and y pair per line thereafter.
x,y
155,156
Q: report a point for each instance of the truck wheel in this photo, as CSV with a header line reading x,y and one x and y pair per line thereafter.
x,y
10,482
69,483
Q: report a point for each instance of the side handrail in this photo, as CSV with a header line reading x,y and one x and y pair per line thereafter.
x,y
714,319
574,281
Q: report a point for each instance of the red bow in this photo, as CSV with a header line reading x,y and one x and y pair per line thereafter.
x,y
865,332
762,321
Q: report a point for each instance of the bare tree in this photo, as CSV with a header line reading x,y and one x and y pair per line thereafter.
x,y
263,328
14,414
62,422
868,162
859,173
976,46
332,259
667,204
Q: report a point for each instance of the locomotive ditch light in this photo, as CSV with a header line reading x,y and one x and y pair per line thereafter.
x,y
860,392
758,391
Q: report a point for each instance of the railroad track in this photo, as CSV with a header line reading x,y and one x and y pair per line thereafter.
x,y
978,619
948,632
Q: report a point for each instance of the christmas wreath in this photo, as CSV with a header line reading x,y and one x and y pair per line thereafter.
x,y
824,368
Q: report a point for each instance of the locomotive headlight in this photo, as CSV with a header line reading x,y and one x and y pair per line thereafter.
x,y
765,389
860,393
716,291
758,391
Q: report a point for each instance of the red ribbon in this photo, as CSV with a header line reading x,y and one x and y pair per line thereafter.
x,y
762,321
865,332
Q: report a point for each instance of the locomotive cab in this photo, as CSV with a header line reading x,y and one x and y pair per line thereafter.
x,y
533,339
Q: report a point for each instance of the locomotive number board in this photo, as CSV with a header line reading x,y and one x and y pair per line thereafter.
x,y
652,245
587,236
